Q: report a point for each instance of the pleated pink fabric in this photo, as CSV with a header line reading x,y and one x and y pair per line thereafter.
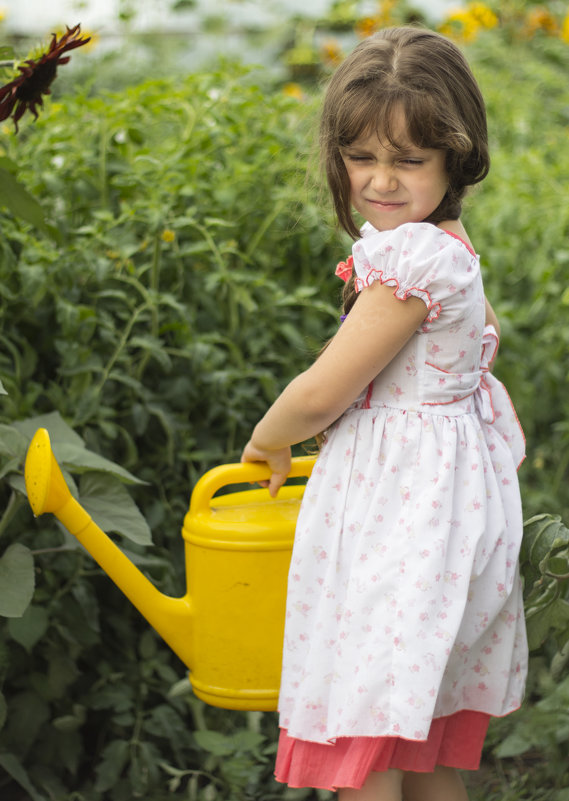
x,y
455,741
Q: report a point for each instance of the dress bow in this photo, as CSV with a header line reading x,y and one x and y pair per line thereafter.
x,y
493,404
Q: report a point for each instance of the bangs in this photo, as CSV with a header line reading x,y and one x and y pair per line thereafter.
x,y
420,112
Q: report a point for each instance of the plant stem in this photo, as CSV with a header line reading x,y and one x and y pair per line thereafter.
x,y
121,344
103,165
155,283
15,502
58,549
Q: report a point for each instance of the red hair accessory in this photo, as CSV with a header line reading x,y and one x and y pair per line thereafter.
x,y
345,268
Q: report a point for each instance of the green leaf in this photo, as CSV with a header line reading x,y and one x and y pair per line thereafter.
x,y
59,431
557,566
29,628
543,534
13,445
83,460
553,618
214,742
515,744
112,765
17,580
2,390
13,767
112,508
17,198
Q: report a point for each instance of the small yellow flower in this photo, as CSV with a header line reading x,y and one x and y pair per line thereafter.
x,y
366,27
539,462
331,52
168,235
293,90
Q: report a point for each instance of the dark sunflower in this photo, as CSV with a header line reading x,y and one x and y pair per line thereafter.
x,y
25,92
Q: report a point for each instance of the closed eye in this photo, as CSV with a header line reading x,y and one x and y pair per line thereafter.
x,y
356,157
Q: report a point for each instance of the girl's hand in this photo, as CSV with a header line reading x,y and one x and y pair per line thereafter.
x,y
278,461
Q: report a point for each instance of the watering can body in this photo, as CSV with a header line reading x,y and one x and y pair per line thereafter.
x,y
238,549
228,627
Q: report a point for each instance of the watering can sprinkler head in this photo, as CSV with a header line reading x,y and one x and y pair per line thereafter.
x,y
46,487
228,627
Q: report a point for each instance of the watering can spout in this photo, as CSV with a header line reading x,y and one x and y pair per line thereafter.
x,y
48,492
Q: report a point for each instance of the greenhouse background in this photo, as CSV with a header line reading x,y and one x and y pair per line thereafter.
x,y
151,308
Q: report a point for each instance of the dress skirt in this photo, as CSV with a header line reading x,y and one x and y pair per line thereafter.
x,y
455,741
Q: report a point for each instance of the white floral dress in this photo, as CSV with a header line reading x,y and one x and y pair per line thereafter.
x,y
404,598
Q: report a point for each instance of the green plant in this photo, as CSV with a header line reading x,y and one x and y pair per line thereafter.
x,y
520,229
174,305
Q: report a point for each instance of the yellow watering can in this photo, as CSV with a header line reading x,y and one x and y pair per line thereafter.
x,y
228,627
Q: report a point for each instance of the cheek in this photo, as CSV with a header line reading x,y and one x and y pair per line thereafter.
x,y
442,184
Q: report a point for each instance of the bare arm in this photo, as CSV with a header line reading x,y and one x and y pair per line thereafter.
x,y
491,318
373,333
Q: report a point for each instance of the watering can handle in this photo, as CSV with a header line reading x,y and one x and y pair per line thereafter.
x,y
240,473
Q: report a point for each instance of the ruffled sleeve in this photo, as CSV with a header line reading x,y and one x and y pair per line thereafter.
x,y
417,259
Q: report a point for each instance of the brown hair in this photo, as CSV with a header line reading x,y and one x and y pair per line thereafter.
x,y
428,76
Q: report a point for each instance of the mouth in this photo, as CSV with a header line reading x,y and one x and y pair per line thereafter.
x,y
386,205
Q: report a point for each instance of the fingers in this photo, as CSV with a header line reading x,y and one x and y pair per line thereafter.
x,y
279,463
276,482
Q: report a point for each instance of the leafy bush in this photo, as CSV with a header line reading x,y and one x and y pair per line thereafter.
x,y
520,224
171,297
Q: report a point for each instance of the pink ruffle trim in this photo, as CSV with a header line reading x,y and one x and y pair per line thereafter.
x,y
455,741
402,293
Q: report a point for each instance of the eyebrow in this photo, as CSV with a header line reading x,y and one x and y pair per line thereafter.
x,y
403,149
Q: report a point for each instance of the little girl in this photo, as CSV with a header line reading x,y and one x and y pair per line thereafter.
x,y
404,627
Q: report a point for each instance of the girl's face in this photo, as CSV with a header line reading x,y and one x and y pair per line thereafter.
x,y
391,186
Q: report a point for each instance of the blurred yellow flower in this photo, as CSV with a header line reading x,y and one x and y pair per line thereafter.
x,y
293,90
383,19
565,29
331,52
540,19
466,23
483,15
366,27
168,235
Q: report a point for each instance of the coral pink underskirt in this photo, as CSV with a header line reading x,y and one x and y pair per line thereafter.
x,y
455,741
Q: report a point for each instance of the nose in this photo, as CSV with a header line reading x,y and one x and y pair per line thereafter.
x,y
383,178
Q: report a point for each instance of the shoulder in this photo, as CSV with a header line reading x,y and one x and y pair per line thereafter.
x,y
411,247
411,236
419,259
